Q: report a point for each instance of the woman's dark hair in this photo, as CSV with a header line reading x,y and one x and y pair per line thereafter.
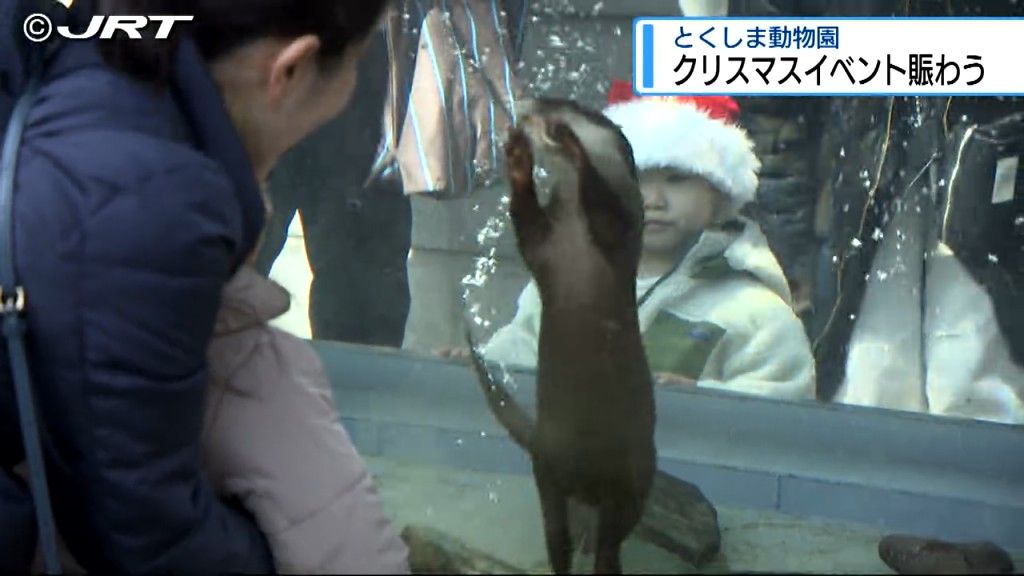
x,y
220,26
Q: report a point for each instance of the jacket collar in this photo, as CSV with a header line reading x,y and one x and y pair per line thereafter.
x,y
205,112
740,248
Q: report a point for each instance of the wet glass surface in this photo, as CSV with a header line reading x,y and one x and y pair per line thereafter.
x,y
882,261
896,222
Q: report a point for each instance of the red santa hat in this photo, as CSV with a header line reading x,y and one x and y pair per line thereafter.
x,y
693,134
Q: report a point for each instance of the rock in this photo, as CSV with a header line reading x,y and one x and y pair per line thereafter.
x,y
432,551
681,520
678,518
912,555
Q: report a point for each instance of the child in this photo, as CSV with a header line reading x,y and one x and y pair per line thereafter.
x,y
273,440
715,307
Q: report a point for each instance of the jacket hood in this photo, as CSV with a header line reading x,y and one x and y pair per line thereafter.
x,y
15,48
750,252
196,99
743,251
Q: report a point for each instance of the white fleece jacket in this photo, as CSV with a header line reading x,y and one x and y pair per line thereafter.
x,y
764,350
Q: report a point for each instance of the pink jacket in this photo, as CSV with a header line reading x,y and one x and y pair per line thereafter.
x,y
273,439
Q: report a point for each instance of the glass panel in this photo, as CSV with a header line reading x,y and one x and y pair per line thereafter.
x,y
877,261
891,246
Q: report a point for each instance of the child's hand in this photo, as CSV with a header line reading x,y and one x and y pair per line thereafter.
x,y
454,353
670,379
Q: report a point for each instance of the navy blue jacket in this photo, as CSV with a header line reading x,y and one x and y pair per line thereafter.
x,y
133,207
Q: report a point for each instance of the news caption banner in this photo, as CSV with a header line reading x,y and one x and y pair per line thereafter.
x,y
780,56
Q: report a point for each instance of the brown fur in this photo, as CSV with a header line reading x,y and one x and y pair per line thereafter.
x,y
594,434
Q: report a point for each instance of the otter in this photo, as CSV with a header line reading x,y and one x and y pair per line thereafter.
x,y
593,437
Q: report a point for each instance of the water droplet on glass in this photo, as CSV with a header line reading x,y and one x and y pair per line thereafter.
x,y
993,258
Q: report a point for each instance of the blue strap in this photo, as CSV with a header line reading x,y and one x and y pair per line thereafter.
x,y
12,304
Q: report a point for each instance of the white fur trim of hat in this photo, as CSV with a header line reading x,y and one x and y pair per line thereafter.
x,y
669,134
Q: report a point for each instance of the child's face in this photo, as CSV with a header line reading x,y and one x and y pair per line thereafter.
x,y
675,206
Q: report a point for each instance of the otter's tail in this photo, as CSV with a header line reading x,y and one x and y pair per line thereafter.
x,y
509,413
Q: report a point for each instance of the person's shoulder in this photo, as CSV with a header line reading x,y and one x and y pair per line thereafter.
x,y
105,130
119,154
742,299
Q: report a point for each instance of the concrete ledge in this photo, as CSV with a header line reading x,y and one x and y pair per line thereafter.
x,y
947,478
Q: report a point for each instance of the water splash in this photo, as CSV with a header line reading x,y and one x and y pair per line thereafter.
x,y
544,182
482,270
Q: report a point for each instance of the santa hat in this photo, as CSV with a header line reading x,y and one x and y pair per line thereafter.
x,y
696,135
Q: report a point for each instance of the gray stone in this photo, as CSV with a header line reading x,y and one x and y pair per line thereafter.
x,y
432,551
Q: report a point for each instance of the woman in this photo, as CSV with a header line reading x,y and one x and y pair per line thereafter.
x,y
714,304
137,199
